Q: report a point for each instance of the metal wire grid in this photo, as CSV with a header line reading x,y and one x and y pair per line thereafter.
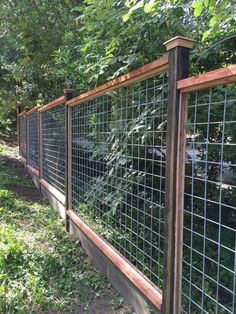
x,y
118,170
53,146
33,140
209,255
22,124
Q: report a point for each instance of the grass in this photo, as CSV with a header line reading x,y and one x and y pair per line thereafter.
x,y
42,269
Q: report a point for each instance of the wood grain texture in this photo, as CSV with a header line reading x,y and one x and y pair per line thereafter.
x,y
151,292
209,79
53,103
141,73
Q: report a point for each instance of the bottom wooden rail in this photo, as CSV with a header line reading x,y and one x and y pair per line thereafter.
x,y
22,159
33,170
53,190
144,285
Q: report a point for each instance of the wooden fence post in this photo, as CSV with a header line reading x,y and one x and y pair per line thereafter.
x,y
27,140
178,49
40,139
68,94
19,131
18,111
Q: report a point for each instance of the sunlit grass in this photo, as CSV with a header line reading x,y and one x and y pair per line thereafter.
x,y
41,267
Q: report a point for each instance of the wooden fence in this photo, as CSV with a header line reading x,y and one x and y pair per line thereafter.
x,y
143,169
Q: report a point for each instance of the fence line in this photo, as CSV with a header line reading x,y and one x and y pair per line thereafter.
x,y
33,139
145,168
22,135
209,251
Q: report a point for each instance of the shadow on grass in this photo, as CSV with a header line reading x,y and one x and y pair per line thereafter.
x,y
15,177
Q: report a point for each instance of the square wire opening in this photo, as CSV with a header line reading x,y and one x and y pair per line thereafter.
x,y
118,170
209,259
53,146
33,140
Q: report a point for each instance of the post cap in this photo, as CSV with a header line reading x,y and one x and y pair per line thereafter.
x,y
179,41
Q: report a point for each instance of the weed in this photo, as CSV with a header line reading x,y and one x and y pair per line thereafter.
x,y
41,267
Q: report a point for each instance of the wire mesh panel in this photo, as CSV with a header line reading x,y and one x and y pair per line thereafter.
x,y
209,256
22,137
118,170
53,146
33,140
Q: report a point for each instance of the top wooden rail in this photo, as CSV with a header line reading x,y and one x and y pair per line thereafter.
x,y
155,67
22,113
32,110
53,103
210,79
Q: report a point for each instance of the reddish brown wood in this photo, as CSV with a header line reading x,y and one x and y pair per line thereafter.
x,y
143,72
53,190
23,160
40,133
53,103
68,94
151,292
179,41
33,171
27,139
209,79
32,110
178,69
22,113
179,199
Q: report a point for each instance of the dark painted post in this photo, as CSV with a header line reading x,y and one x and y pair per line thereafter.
x,y
18,111
27,139
178,49
68,94
40,139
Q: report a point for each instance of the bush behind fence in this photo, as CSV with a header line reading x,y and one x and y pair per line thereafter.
x,y
107,153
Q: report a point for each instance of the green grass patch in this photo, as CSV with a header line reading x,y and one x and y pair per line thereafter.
x,y
42,268
2,149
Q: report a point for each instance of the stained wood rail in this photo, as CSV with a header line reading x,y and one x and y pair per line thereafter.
x,y
153,293
155,67
33,170
53,191
53,103
210,79
22,113
22,159
32,110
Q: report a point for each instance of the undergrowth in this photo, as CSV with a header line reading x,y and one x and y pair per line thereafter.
x,y
42,269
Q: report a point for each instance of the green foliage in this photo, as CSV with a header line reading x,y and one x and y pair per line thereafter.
x,y
119,193
46,46
2,149
220,15
42,269
214,193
